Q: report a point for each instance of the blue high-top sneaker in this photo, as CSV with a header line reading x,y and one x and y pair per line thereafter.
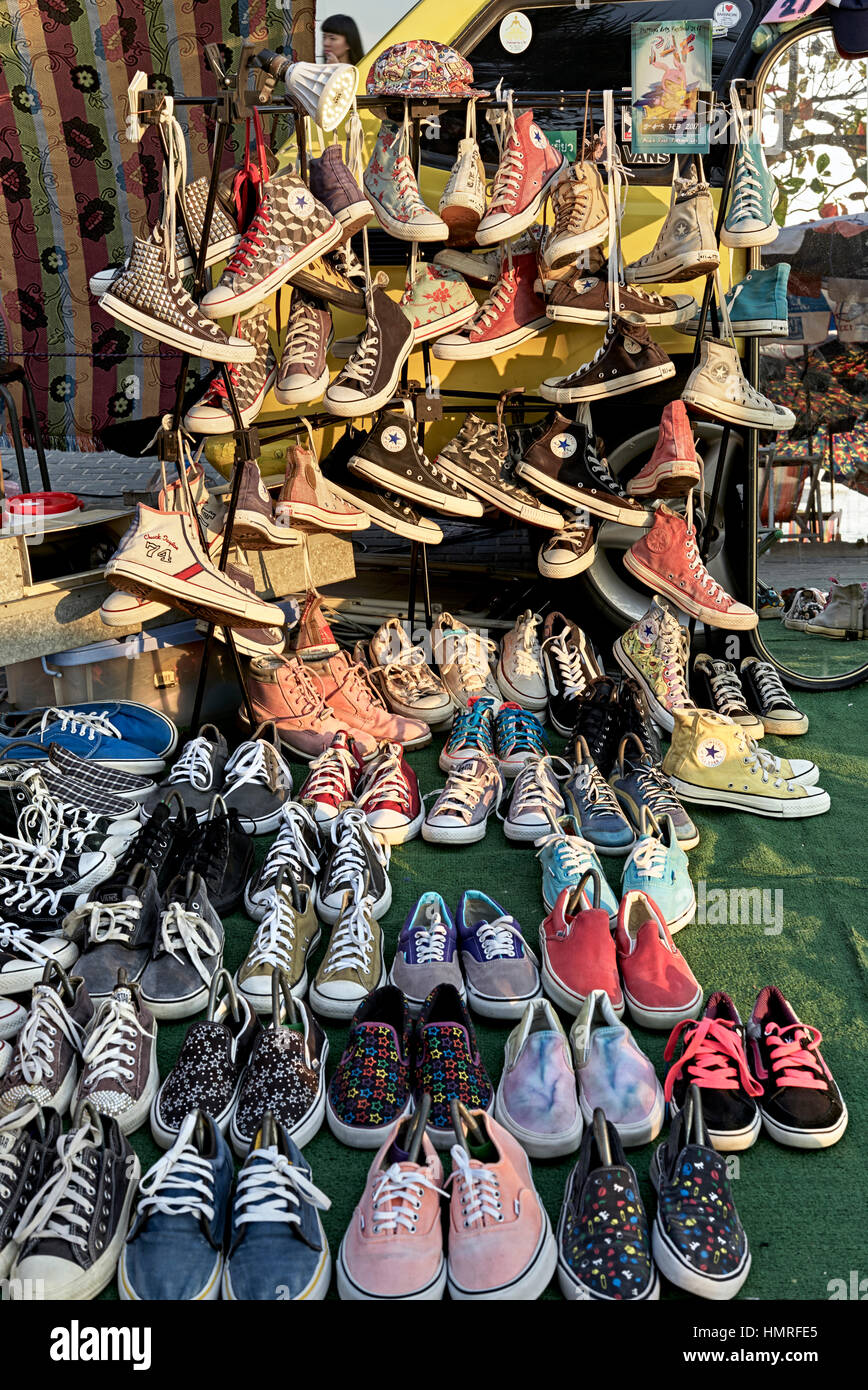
x,y
757,305
750,217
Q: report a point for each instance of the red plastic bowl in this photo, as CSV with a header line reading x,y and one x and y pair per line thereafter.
x,y
44,503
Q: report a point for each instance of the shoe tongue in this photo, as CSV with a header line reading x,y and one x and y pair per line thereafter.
x,y
482,1153
123,994
396,1154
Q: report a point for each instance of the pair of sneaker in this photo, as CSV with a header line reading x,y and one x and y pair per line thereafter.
x,y
264,1241
255,780
386,789
407,682
504,731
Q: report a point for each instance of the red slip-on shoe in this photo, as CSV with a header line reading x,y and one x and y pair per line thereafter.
x,y
659,985
577,950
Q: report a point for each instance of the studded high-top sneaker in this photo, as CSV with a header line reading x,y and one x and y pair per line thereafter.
x,y
564,463
655,652
673,468
370,378
149,297
304,373
211,415
627,359
528,167
390,183
686,245
512,313
667,560
581,214
718,387
392,458
289,230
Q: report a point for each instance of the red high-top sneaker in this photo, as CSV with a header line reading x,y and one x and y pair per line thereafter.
x,y
512,313
673,468
528,167
667,560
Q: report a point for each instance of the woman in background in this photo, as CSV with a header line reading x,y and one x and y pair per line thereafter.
x,y
341,40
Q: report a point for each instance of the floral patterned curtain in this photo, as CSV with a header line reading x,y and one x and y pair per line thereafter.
x,y
75,192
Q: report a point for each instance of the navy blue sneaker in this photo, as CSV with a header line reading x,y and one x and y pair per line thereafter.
x,y
427,952
639,781
126,718
499,967
595,806
277,1246
174,1250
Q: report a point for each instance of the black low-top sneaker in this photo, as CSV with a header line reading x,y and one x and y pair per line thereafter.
x,y
392,458
28,1138
286,1075
72,1233
24,953
221,852
698,1241
52,867
710,1054
766,697
597,719
115,929
570,664
210,1066
604,1245
161,843
188,951
800,1104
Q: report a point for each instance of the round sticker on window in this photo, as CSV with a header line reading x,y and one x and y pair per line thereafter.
x,y
726,15
393,439
516,32
711,752
563,445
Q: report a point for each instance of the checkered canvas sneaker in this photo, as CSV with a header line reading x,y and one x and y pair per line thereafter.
x,y
289,231
251,381
150,297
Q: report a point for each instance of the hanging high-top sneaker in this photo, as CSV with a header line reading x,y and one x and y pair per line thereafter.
x,y
585,299
211,415
564,463
370,378
332,183
718,387
390,183
463,201
304,375
757,305
392,458
750,217
289,230
686,244
673,468
307,500
712,762
581,214
512,313
479,459
254,526
249,641
627,359
666,558
843,615
337,278
587,263
161,557
312,638
149,297
528,167
438,301
655,652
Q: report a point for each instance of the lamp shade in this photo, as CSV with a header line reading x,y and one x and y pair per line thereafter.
x,y
324,91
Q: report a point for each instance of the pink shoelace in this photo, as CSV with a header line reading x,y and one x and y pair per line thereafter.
x,y
794,1059
713,1056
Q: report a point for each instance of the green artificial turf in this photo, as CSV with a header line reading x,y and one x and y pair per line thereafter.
x,y
797,1207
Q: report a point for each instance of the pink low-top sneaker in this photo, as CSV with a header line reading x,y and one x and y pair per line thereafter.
x,y
536,1099
393,1246
500,1239
613,1073
659,986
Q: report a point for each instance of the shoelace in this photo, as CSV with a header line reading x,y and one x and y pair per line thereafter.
x,y
526,650
568,660
257,763
479,1189
304,692
39,824
473,729
408,189
359,691
462,794
510,172
654,786
576,524
73,817
793,1054
55,1211
107,921
586,367
272,1189
771,688
181,1183
331,776
111,1045
21,943
713,1057
674,649
27,897
396,1199
648,855
412,675
303,338
535,788
185,932
275,936
498,302
760,761
599,468
251,243
571,854
352,836
430,937
12,1125
749,188
597,796
352,939
34,1051
469,657
291,849
727,689
194,765
217,393
388,784
518,731
501,940
571,205
364,360
86,725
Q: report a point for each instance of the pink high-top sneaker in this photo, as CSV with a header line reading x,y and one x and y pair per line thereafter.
x,y
282,689
354,702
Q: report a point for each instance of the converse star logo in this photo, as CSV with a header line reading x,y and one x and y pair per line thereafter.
x,y
631,346
711,752
537,136
563,445
720,372
681,229
583,285
393,439
302,204
647,632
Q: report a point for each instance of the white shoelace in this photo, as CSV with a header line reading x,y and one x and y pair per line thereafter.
x,y
363,362
270,1188
649,857
18,941
535,788
396,1199
576,523
573,856
352,939
37,861
107,921
55,1211
110,1047
727,689
430,937
291,849
408,189
351,833
568,660
11,1126
759,760
303,338
35,1047
85,725
526,649
462,793
183,932
412,677
501,939
469,658
771,687
194,765
479,1189
674,648
510,172
599,798
700,573
748,188
258,763
28,896
181,1182
330,776
275,935
499,299
656,789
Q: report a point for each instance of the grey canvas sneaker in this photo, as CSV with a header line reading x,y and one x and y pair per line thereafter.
x,y
718,387
535,799
251,382
188,952
290,229
427,952
333,184
258,782
255,526
115,929
370,378
499,967
462,656
120,1075
197,774
296,848
843,615
304,375
28,1140
686,245
47,1050
479,458
460,814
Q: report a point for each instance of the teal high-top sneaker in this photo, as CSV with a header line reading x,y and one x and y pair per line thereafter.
x,y
757,305
750,217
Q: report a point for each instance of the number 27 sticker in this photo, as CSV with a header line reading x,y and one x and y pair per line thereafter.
x,y
785,10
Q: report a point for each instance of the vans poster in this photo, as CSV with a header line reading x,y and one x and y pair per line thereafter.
x,y
671,87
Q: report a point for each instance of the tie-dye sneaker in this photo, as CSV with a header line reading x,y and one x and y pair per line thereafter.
x,y
370,1090
614,1074
448,1064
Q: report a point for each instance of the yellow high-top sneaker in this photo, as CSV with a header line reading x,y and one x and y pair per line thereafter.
x,y
711,761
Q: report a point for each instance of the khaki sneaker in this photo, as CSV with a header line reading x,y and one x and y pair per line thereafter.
x,y
353,963
463,202
336,279
581,213
284,939
686,244
719,388
712,762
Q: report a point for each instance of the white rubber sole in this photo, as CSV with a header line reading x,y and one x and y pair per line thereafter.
x,y
530,1285
165,1138
509,227
674,270
489,1006
328,521
351,1292
762,236
620,386
399,834
748,328
260,1003
549,570
565,999
239,351
91,1282
413,491
369,405
683,472
11,1025
468,351
671,317
302,395
327,913
454,834
358,1137
728,1141
563,252
220,605
524,834
407,231
208,1294
785,727
220,421
659,1019
835,633
713,617
330,1007
643,1131
814,805
538,1145
237,304
447,324
315,1291
303,1132
19,981
535,703
673,1268
805,1138
721,409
